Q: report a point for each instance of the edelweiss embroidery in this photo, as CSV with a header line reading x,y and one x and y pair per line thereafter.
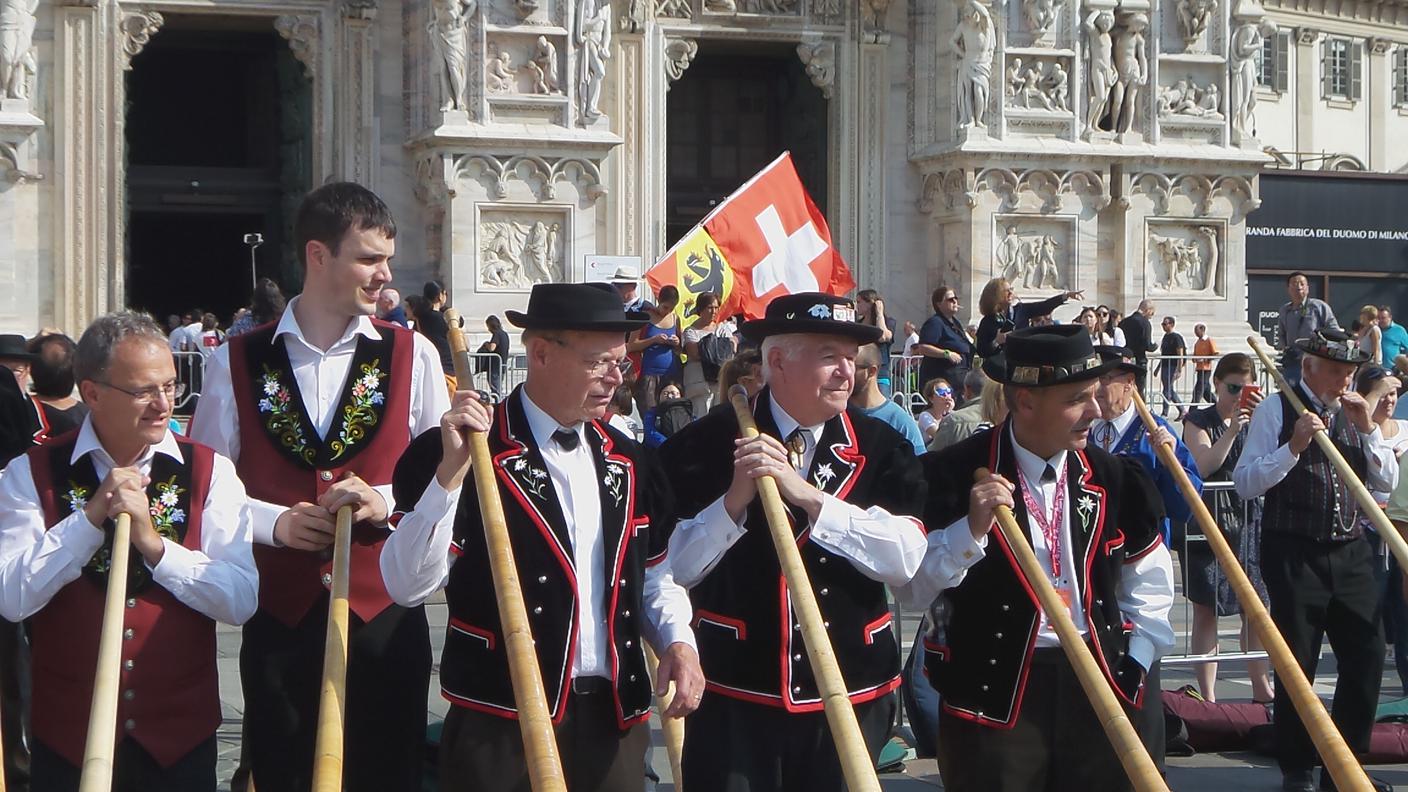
x,y
165,515
613,483
282,420
1084,507
76,497
824,474
361,414
536,479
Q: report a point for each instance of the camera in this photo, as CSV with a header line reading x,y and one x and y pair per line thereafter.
x,y
254,239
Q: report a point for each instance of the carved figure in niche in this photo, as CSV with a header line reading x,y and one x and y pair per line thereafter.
x,y
499,75
633,18
1013,78
17,57
1193,18
679,9
537,252
1041,14
594,38
770,6
1184,268
872,13
1056,87
1102,66
1009,255
543,67
973,41
1047,275
1210,101
500,261
449,35
518,255
525,7
1031,89
554,231
1209,235
1246,45
717,6
1177,98
1131,70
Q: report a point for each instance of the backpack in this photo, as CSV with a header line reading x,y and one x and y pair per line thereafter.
x,y
714,352
673,415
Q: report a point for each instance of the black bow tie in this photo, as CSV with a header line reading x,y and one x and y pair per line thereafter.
x,y
568,440
1048,475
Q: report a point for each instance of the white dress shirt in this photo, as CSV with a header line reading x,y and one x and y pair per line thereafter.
x,y
1107,434
321,375
883,546
1145,591
219,580
1265,460
416,560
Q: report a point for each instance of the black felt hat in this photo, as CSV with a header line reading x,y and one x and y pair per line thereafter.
x,y
813,313
1039,357
1121,359
15,347
1333,345
592,307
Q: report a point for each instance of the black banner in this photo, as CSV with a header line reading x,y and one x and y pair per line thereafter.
x,y
1329,223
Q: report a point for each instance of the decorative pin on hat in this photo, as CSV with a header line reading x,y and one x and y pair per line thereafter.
x,y
813,313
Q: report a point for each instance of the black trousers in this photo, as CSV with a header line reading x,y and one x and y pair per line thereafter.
x,y
484,753
737,746
388,681
1320,589
1057,744
14,704
133,770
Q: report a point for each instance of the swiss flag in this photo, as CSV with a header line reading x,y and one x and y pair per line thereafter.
x,y
764,240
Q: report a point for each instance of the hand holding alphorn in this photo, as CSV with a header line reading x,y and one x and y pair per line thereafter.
x,y
102,717
332,702
856,763
534,720
1131,752
1339,760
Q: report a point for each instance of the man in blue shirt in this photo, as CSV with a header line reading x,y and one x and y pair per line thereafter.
x,y
867,398
1395,338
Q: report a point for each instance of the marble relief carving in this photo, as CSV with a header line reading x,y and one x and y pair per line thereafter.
x,y
519,249
1193,17
1033,254
1041,86
1040,14
543,68
1183,258
594,50
973,42
18,64
1243,52
449,37
1186,98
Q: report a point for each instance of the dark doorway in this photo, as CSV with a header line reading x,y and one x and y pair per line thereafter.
x,y
218,147
735,109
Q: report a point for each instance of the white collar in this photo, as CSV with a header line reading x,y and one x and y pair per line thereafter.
x,y
88,443
359,325
786,424
1312,401
1122,421
543,425
1031,465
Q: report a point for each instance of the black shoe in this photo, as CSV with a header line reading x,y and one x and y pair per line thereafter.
x,y
1297,781
1327,784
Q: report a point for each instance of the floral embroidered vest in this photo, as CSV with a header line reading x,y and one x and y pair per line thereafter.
x,y
170,692
283,460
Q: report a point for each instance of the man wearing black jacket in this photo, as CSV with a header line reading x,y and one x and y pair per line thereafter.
x,y
1139,333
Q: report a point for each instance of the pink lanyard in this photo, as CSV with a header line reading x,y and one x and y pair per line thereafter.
x,y
1050,529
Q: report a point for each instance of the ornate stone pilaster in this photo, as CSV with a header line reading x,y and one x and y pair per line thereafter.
x,y
356,100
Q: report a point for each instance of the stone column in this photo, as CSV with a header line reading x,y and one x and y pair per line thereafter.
x,y
356,96
1307,43
1378,95
872,95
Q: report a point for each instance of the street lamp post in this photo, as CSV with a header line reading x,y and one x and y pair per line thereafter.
x,y
254,241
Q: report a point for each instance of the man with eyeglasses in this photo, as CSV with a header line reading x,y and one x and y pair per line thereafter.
x,y
315,410
587,511
191,566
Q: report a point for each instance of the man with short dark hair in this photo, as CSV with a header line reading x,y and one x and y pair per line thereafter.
x,y
1394,340
1302,317
869,400
1173,349
52,374
315,410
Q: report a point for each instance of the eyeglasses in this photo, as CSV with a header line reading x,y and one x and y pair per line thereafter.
x,y
1102,313
951,298
600,368
1234,388
145,396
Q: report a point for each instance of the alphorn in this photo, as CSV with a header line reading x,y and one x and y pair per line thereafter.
x,y
102,717
1367,504
332,702
534,722
1128,748
856,764
1339,760
671,728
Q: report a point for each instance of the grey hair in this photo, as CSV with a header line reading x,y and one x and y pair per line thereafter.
x,y
95,346
789,343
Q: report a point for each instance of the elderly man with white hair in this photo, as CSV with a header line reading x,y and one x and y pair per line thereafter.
x,y
388,307
851,484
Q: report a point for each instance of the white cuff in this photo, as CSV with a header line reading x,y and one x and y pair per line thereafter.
x,y
715,515
437,502
262,516
672,634
962,547
1142,651
175,565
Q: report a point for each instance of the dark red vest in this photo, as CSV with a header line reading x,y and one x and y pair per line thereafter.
x,y
170,692
284,461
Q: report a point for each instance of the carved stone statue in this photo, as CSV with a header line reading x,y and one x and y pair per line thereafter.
x,y
1209,234
770,6
1057,88
543,67
1131,70
872,14
17,58
633,18
1012,81
1184,268
973,42
1210,101
594,39
449,35
518,255
1102,66
499,74
1041,14
1184,97
1009,255
1048,277
1193,16
1246,44
1031,92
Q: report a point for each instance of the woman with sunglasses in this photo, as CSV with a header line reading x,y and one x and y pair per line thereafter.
x,y
944,344
1215,435
1003,312
939,393
1109,326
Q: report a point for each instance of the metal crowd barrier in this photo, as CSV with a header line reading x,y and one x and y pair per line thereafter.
x,y
1185,381
190,371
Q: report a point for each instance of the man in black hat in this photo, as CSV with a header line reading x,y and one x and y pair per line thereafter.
x,y
15,356
1013,715
1317,563
851,484
587,512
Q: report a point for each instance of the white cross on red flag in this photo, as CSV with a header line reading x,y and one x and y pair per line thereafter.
x,y
766,239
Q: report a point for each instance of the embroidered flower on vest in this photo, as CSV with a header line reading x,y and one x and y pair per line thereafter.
x,y
283,416
165,514
824,474
613,483
360,415
76,497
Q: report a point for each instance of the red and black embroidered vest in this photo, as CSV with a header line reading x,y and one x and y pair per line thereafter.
x,y
170,700
283,460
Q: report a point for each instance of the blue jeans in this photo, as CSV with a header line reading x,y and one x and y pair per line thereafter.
x,y
921,701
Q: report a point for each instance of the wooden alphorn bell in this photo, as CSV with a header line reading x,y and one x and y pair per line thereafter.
x,y
1339,760
534,721
102,717
671,728
856,764
1140,768
332,701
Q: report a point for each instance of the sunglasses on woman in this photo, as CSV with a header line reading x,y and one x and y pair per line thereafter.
x,y
1234,388
942,392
